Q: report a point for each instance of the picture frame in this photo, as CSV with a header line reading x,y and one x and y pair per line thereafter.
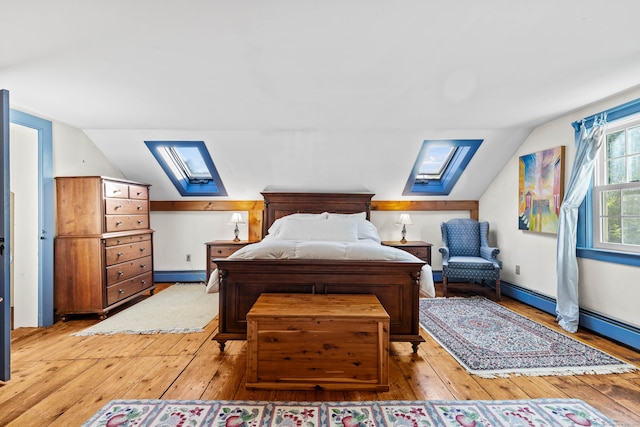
x,y
541,190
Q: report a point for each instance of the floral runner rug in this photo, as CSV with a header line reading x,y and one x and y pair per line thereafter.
x,y
489,340
538,412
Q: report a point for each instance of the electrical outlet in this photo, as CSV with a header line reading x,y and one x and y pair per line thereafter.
x,y
517,269
188,257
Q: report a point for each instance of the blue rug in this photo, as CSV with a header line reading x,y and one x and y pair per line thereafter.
x,y
166,413
489,340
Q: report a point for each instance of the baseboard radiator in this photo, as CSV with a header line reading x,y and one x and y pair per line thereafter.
x,y
612,329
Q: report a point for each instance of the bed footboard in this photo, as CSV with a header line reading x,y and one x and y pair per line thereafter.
x,y
395,283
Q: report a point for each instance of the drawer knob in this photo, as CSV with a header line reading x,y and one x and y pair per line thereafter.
x,y
121,291
143,265
139,207
142,249
120,254
120,273
118,241
117,207
219,251
144,282
140,221
139,193
118,222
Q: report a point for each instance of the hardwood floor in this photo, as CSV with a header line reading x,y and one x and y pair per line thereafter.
x,y
61,380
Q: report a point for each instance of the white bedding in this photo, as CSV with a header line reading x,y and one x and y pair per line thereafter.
x,y
364,249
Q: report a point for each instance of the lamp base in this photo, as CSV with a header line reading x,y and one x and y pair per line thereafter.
x,y
404,234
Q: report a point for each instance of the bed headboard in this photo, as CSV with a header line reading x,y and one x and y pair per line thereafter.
x,y
279,203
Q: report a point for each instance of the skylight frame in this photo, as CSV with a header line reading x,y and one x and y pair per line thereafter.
x,y
462,153
179,175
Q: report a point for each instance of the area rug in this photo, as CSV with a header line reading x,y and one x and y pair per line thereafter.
x,y
491,341
478,413
181,308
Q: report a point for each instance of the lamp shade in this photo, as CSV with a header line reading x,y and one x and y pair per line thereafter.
x,y
404,219
236,218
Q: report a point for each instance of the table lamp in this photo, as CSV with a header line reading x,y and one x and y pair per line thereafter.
x,y
404,220
236,219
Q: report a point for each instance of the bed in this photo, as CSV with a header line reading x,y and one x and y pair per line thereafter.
x,y
395,277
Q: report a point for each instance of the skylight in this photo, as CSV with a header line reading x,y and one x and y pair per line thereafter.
x,y
439,165
189,167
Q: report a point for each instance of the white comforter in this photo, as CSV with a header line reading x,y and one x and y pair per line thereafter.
x,y
271,248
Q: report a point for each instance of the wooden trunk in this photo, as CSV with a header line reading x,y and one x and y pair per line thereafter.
x,y
310,342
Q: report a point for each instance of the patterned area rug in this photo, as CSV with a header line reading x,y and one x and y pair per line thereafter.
x,y
539,412
489,340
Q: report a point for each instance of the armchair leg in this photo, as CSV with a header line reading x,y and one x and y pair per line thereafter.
x,y
498,295
444,285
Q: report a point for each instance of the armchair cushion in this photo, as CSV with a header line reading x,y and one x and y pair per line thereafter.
x,y
470,263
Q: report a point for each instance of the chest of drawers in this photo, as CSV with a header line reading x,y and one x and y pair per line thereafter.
x,y
104,248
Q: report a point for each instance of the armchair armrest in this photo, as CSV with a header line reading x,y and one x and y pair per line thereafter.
x,y
489,253
445,253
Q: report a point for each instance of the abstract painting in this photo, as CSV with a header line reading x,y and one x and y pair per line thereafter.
x,y
541,190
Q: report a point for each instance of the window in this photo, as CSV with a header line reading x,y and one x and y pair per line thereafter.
x,y
616,191
439,165
189,167
605,217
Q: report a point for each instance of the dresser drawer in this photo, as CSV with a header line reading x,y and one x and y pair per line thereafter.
x,y
126,222
119,254
419,252
115,241
220,251
138,192
125,289
119,272
125,206
116,189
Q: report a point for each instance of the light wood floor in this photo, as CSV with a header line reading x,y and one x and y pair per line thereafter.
x,y
62,380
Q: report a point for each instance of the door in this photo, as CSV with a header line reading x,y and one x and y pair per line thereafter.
x,y
5,240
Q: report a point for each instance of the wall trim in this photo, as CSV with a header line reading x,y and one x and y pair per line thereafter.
x,y
611,329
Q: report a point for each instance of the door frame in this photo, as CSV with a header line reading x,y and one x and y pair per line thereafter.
x,y
45,211
5,234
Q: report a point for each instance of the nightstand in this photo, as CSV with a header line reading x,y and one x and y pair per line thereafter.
x,y
221,249
418,248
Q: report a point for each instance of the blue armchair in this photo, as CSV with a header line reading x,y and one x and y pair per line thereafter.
x,y
466,254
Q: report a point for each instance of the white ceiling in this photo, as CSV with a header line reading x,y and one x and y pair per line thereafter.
x,y
330,65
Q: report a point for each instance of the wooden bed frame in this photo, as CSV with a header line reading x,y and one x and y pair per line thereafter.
x,y
395,283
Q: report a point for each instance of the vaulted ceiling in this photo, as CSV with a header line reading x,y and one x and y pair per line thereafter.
x,y
447,67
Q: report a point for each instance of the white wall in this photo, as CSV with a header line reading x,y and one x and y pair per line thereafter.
x,y
606,288
24,186
75,154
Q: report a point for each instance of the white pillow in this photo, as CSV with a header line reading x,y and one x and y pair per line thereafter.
x,y
277,224
366,230
329,230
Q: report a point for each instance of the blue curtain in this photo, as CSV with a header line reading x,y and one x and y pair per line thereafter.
x,y
588,144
